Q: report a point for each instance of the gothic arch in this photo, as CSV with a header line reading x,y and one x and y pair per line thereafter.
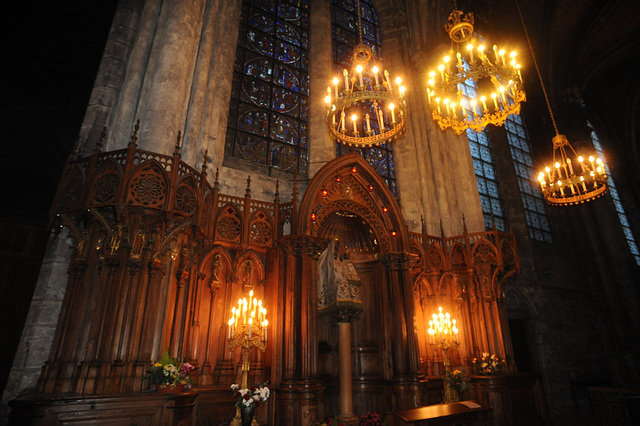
x,y
148,185
257,268
261,228
106,183
361,192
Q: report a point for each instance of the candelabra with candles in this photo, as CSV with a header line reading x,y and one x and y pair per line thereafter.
x,y
248,329
366,97
443,334
458,98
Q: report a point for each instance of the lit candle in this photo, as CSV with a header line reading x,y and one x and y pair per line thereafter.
x,y
250,324
470,49
591,159
386,76
393,115
495,102
368,124
447,61
399,82
381,120
473,104
581,161
446,104
502,57
570,166
359,70
346,80
501,90
495,52
335,86
333,119
481,52
441,68
355,126
402,90
375,74
484,104
548,170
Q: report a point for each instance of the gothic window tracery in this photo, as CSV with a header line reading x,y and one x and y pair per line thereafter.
x,y
268,112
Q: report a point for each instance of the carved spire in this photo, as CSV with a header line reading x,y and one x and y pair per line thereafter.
x,y
442,230
204,162
215,181
134,137
464,224
295,186
248,192
277,195
176,151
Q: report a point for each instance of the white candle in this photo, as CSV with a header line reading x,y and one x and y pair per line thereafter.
x,y
381,120
346,80
359,70
570,166
335,86
368,124
393,115
386,75
344,128
375,73
355,126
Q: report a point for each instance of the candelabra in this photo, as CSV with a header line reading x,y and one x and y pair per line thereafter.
x,y
247,328
443,334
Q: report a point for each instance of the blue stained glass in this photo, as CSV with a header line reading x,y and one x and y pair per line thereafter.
x,y
287,78
349,5
251,148
303,163
475,149
485,203
477,166
489,171
254,121
267,5
345,36
485,154
304,108
261,22
259,68
285,101
283,129
496,207
287,53
367,13
304,134
260,43
492,189
288,33
482,185
283,157
256,92
304,87
346,20
289,12
305,60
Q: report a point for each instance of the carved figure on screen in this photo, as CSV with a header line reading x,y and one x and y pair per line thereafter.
x,y
339,283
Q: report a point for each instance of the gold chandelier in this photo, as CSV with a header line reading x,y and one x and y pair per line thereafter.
x,y
364,107
473,86
570,179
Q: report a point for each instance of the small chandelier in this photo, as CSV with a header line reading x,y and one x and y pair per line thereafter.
x,y
364,107
570,179
473,87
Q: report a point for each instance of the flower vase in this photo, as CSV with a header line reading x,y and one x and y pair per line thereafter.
x,y
246,414
169,388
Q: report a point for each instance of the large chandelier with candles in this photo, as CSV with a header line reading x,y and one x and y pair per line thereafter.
x,y
571,178
365,107
474,85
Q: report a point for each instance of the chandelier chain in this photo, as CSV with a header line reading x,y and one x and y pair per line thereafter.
x,y
535,64
360,22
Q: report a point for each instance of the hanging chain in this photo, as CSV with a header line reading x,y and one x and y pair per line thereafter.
x,y
535,64
360,22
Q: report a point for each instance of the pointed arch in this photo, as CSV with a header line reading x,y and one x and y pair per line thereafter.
x,y
228,226
261,228
359,190
71,193
434,258
257,268
186,196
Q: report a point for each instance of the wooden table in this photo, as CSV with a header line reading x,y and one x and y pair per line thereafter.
x,y
454,413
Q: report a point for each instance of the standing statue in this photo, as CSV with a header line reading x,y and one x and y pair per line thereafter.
x,y
339,283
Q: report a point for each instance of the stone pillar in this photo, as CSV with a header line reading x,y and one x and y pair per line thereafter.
x,y
321,68
346,385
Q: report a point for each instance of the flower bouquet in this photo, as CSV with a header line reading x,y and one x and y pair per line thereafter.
x,y
168,375
371,419
457,380
253,395
487,365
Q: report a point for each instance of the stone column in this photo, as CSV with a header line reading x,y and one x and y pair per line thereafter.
x,y
346,385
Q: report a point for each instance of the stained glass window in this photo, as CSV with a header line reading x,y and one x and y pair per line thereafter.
x,y
344,19
268,112
622,216
535,209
